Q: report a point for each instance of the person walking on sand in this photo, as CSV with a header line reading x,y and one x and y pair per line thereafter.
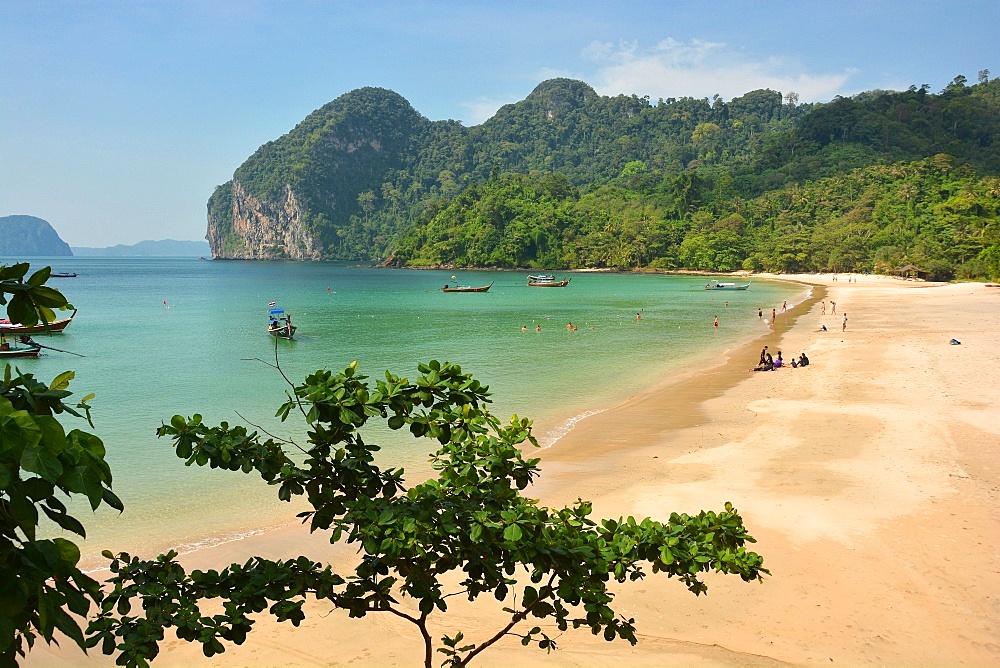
x,y
784,307
843,324
824,307
833,307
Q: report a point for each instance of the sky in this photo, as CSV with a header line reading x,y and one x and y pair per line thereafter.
x,y
119,118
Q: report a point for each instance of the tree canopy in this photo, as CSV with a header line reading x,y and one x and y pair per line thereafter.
x,y
41,588
372,175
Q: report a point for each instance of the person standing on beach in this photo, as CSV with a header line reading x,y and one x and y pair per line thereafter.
x,y
784,307
774,316
843,325
824,307
833,307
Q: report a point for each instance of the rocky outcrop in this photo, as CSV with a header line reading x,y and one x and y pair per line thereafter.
x,y
27,236
263,230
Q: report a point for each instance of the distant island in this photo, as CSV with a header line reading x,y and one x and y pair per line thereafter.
x,y
164,248
28,236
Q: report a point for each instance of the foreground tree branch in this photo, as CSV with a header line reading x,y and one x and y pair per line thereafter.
x,y
470,519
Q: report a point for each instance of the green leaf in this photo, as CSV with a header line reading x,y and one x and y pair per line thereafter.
x,y
512,533
61,382
39,460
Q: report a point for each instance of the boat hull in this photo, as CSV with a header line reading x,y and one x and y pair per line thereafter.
x,y
548,284
19,352
467,288
282,332
55,326
727,286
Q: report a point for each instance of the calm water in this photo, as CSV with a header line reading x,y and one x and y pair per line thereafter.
x,y
178,335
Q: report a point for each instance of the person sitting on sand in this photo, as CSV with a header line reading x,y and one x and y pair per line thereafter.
x,y
766,363
803,361
778,361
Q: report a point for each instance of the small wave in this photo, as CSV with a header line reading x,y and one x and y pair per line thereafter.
x,y
208,542
553,437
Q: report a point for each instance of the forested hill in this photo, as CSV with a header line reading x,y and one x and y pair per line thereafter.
x,y
568,178
28,236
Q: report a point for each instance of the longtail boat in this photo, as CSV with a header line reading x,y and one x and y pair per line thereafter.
x,y
7,328
716,285
7,351
466,288
279,324
548,283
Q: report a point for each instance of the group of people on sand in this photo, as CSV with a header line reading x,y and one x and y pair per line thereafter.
x,y
768,363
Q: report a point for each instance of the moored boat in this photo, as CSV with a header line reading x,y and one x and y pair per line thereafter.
x,y
716,285
541,277
549,282
279,324
71,274
9,351
466,288
8,328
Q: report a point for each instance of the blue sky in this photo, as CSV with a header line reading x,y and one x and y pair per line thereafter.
x,y
118,118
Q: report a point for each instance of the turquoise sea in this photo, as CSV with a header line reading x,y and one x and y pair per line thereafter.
x,y
163,336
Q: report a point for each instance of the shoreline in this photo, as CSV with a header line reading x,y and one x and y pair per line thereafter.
x,y
867,478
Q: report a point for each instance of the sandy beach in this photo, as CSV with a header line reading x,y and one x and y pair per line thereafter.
x,y
870,479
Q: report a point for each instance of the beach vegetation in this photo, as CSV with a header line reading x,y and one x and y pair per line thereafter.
x,y
42,590
468,531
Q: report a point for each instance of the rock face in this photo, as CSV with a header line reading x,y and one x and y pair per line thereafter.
x,y
265,229
27,236
309,195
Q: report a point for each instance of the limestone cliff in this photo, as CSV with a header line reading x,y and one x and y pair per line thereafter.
x,y
261,230
311,194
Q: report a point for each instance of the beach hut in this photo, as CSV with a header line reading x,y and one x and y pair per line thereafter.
x,y
910,271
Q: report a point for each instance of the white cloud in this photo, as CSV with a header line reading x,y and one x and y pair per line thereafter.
x,y
701,69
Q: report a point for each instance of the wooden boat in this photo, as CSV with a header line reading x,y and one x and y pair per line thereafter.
x,y
466,288
280,324
9,329
8,351
541,277
716,285
548,283
63,275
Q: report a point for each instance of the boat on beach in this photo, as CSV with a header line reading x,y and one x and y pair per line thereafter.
x,y
716,285
7,328
279,324
466,288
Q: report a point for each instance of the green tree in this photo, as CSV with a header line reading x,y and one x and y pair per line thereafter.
x,y
550,567
41,587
